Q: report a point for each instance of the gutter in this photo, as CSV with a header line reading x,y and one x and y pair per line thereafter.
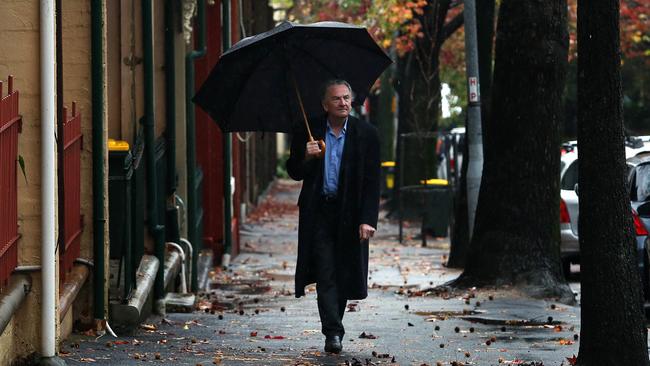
x,y
192,203
19,286
70,289
131,313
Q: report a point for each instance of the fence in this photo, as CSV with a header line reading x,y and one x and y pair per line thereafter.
x,y
10,127
71,219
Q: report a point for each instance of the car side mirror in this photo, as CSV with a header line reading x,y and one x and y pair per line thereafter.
x,y
575,189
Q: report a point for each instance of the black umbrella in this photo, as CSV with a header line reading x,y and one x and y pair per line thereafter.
x,y
262,82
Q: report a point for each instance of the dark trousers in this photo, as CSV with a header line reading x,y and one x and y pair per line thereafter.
x,y
331,302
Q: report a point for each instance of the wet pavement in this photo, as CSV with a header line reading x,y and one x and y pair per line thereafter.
x,y
250,316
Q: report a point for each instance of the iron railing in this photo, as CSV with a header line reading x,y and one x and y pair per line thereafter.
x,y
71,221
10,127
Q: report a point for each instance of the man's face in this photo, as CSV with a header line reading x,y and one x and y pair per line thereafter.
x,y
338,101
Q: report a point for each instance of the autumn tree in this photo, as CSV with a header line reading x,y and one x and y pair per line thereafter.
x,y
635,67
516,235
612,324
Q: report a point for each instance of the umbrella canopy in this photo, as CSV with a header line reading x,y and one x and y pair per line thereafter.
x,y
251,87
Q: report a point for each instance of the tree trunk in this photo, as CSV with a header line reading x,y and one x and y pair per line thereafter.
x,y
612,323
516,236
460,229
419,96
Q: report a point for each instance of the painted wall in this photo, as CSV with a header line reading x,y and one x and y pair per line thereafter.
x,y
20,56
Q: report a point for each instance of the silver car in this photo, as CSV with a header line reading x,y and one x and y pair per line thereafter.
x,y
569,208
569,244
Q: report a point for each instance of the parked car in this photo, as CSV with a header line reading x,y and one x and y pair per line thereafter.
x,y
569,244
569,207
449,149
639,182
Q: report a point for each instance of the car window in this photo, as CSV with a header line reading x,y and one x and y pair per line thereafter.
x,y
570,178
642,182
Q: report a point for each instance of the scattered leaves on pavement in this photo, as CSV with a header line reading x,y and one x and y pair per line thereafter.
x,y
148,327
365,335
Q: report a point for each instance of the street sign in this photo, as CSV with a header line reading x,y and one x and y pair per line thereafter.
x,y
473,89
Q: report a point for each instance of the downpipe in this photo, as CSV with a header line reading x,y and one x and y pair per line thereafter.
x,y
190,119
190,251
183,264
48,194
98,155
156,229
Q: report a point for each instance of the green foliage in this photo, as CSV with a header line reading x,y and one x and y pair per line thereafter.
x,y
281,168
21,162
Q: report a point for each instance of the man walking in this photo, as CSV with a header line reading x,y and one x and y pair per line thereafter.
x,y
338,207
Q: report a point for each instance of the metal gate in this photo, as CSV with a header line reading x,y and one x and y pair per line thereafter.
x,y
10,127
70,163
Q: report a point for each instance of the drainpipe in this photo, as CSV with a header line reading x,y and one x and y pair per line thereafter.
x,y
170,95
48,174
155,227
227,152
99,150
191,136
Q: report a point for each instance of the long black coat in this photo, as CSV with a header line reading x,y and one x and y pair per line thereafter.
x,y
358,192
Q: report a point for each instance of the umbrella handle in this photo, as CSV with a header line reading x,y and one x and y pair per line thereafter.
x,y
321,143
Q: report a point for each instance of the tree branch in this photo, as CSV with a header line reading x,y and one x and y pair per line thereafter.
x,y
452,26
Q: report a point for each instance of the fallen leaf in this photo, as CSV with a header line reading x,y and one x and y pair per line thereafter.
x,y
365,335
148,326
90,333
573,360
253,334
121,342
566,342
87,359
273,337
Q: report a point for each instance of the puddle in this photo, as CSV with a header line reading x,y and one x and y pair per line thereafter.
x,y
511,322
242,288
442,315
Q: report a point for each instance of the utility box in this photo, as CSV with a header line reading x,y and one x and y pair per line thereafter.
x,y
429,202
120,172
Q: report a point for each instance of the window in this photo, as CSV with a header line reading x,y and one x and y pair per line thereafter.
x,y
570,178
641,185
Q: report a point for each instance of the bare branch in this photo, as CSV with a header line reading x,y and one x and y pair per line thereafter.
x,y
452,26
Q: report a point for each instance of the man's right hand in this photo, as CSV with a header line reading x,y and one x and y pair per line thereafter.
x,y
312,150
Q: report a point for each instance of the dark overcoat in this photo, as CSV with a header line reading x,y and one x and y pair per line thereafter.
x,y
358,193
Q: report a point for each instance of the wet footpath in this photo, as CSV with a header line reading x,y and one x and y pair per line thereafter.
x,y
249,315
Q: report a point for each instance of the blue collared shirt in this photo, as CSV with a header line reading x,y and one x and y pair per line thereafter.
x,y
333,154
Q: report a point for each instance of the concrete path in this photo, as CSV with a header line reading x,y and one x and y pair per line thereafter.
x,y
250,316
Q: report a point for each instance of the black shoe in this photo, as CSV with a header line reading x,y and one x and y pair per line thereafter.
x,y
333,344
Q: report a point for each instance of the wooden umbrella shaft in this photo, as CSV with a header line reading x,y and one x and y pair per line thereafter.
x,y
302,108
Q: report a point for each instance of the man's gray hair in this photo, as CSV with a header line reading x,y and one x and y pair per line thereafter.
x,y
332,82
